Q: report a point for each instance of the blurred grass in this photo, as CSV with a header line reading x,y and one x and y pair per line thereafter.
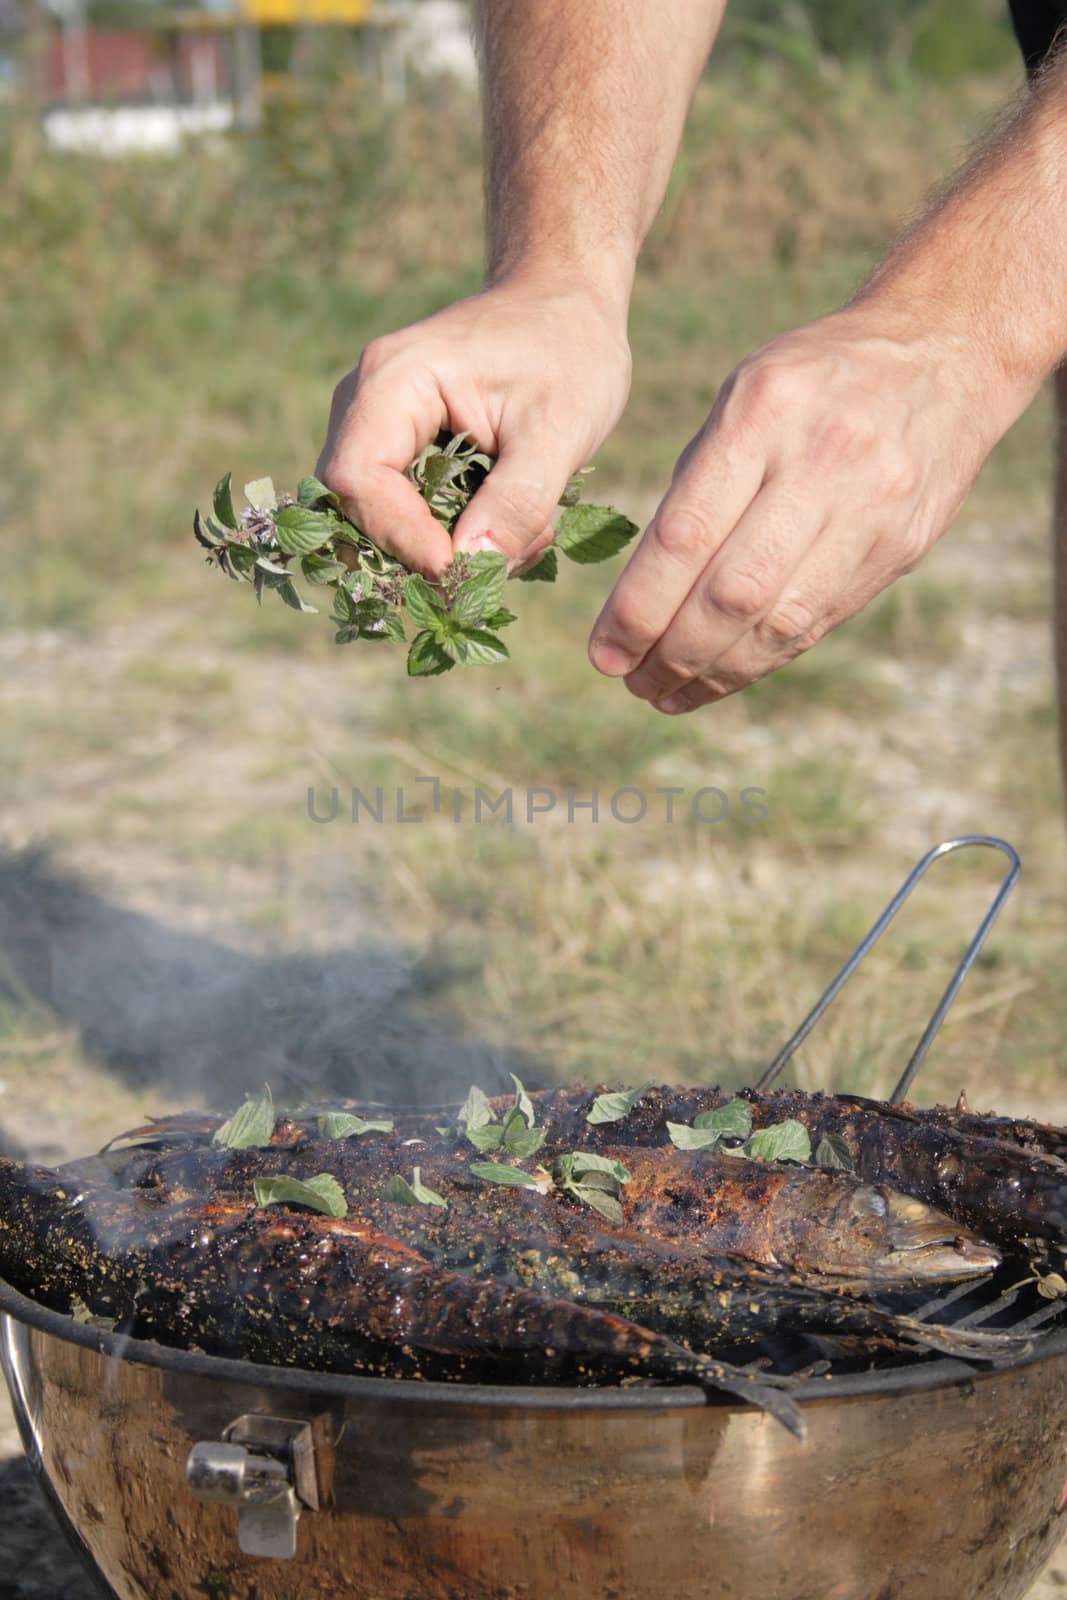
x,y
185,317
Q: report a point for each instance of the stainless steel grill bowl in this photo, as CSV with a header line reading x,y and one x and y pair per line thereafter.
x,y
180,1475
918,1483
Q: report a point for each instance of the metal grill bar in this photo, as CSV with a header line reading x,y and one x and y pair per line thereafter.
x,y
970,955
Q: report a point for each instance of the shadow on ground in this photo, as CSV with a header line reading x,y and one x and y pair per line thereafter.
x,y
38,1563
157,1005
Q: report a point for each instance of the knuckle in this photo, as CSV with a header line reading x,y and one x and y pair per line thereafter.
x,y
523,503
375,355
738,594
789,622
768,386
682,533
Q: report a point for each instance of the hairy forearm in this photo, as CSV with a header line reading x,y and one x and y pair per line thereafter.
x,y
584,101
986,267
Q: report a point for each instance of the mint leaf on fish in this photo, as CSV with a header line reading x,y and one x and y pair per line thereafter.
x,y
475,1111
523,1103
731,1121
613,1107
782,1141
495,1172
593,1180
87,1317
321,1193
249,1128
486,1138
684,1137
344,1125
415,1193
832,1151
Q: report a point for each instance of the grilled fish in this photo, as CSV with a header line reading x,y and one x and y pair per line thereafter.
x,y
324,1293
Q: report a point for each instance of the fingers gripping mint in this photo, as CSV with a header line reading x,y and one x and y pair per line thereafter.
x,y
277,540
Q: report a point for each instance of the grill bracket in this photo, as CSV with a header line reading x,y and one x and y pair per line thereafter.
x,y
265,1467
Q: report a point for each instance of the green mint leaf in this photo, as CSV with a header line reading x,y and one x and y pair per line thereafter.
x,y
686,1138
545,571
476,1110
276,570
613,1107
260,494
289,592
348,635
782,1141
479,648
425,606
523,1103
494,1172
731,1121
521,1141
243,559
344,1125
311,492
832,1151
300,531
251,1127
320,569
412,1194
502,618
426,657
593,533
607,1204
223,502
487,1138
587,1161
203,534
482,593
321,1193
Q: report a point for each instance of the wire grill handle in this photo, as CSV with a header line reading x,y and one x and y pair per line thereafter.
x,y
970,955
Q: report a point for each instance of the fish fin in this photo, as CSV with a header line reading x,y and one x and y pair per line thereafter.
x,y
972,1344
758,1390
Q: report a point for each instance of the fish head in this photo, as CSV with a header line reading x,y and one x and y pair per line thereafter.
x,y
892,1238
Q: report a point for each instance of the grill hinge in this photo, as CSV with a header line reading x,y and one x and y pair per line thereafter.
x,y
265,1466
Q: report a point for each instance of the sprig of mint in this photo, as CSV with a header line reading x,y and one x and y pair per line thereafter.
x,y
457,620
593,1180
710,1128
496,1172
251,1126
320,1193
516,1135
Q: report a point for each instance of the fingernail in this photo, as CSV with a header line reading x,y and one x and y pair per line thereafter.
x,y
484,542
610,659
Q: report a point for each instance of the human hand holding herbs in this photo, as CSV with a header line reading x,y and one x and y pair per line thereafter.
x,y
457,618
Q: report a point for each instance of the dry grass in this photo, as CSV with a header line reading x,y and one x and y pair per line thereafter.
x,y
162,733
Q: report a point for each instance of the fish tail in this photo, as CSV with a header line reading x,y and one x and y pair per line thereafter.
x,y
972,1344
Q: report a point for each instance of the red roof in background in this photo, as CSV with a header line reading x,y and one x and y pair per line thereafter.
x,y
124,64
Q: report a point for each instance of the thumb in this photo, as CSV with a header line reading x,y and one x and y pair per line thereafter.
x,y
514,506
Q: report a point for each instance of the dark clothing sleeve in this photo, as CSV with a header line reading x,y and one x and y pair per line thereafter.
x,y
1037,23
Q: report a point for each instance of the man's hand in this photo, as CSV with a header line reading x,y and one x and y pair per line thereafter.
x,y
833,459
537,374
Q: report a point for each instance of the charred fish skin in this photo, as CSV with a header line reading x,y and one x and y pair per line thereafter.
x,y
677,1282
1005,1193
322,1293
828,1224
